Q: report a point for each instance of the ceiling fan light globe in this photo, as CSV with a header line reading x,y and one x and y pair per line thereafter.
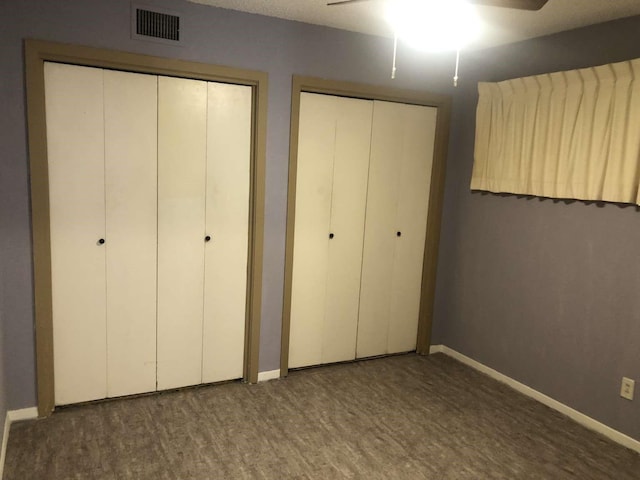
x,y
434,25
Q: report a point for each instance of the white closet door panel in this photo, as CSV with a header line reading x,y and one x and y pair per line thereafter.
x,y
418,138
350,170
227,223
316,139
182,119
380,228
131,198
75,143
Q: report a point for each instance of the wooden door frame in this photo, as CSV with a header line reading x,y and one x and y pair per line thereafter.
x,y
36,53
370,92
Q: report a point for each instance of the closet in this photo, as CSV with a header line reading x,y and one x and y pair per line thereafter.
x,y
362,194
149,203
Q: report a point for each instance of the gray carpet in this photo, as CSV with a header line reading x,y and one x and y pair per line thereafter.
x,y
405,417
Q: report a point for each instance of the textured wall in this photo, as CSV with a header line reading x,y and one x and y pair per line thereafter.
x,y
216,36
3,363
543,291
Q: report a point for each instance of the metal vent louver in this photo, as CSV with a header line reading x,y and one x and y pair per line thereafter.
x,y
157,25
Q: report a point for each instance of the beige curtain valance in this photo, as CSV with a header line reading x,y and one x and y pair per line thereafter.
x,y
573,134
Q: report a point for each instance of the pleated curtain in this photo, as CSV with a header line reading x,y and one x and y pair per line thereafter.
x,y
573,134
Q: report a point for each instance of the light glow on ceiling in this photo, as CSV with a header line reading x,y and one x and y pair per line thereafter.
x,y
434,25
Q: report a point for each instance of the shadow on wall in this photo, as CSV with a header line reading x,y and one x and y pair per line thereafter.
x,y
565,201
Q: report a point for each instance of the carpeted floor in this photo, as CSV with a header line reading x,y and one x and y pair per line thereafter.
x,y
405,417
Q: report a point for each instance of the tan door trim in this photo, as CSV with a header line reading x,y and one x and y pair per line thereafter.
x,y
370,92
36,53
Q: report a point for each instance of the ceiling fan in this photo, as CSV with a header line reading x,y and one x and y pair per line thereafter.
x,y
516,4
454,14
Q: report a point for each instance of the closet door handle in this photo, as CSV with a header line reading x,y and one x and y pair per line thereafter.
x,y
207,238
101,241
399,234
331,235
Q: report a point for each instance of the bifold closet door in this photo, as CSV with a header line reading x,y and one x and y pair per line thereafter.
x,y
204,151
227,228
182,150
333,157
75,147
130,115
397,205
411,222
101,150
142,170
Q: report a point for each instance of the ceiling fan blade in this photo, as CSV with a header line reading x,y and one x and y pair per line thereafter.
x,y
343,2
517,4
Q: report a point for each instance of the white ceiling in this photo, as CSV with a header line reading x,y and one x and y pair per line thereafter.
x,y
501,25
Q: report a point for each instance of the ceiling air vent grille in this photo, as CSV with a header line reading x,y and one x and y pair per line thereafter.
x,y
158,25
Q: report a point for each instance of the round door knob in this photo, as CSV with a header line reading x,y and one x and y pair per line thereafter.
x,y
331,235
101,241
399,234
207,238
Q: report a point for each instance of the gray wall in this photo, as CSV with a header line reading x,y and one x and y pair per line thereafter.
x,y
210,35
3,363
543,291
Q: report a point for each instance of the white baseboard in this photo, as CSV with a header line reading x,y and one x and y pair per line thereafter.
x,y
14,416
265,376
23,414
575,415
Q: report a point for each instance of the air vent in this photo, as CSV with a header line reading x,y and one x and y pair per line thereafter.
x,y
154,25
